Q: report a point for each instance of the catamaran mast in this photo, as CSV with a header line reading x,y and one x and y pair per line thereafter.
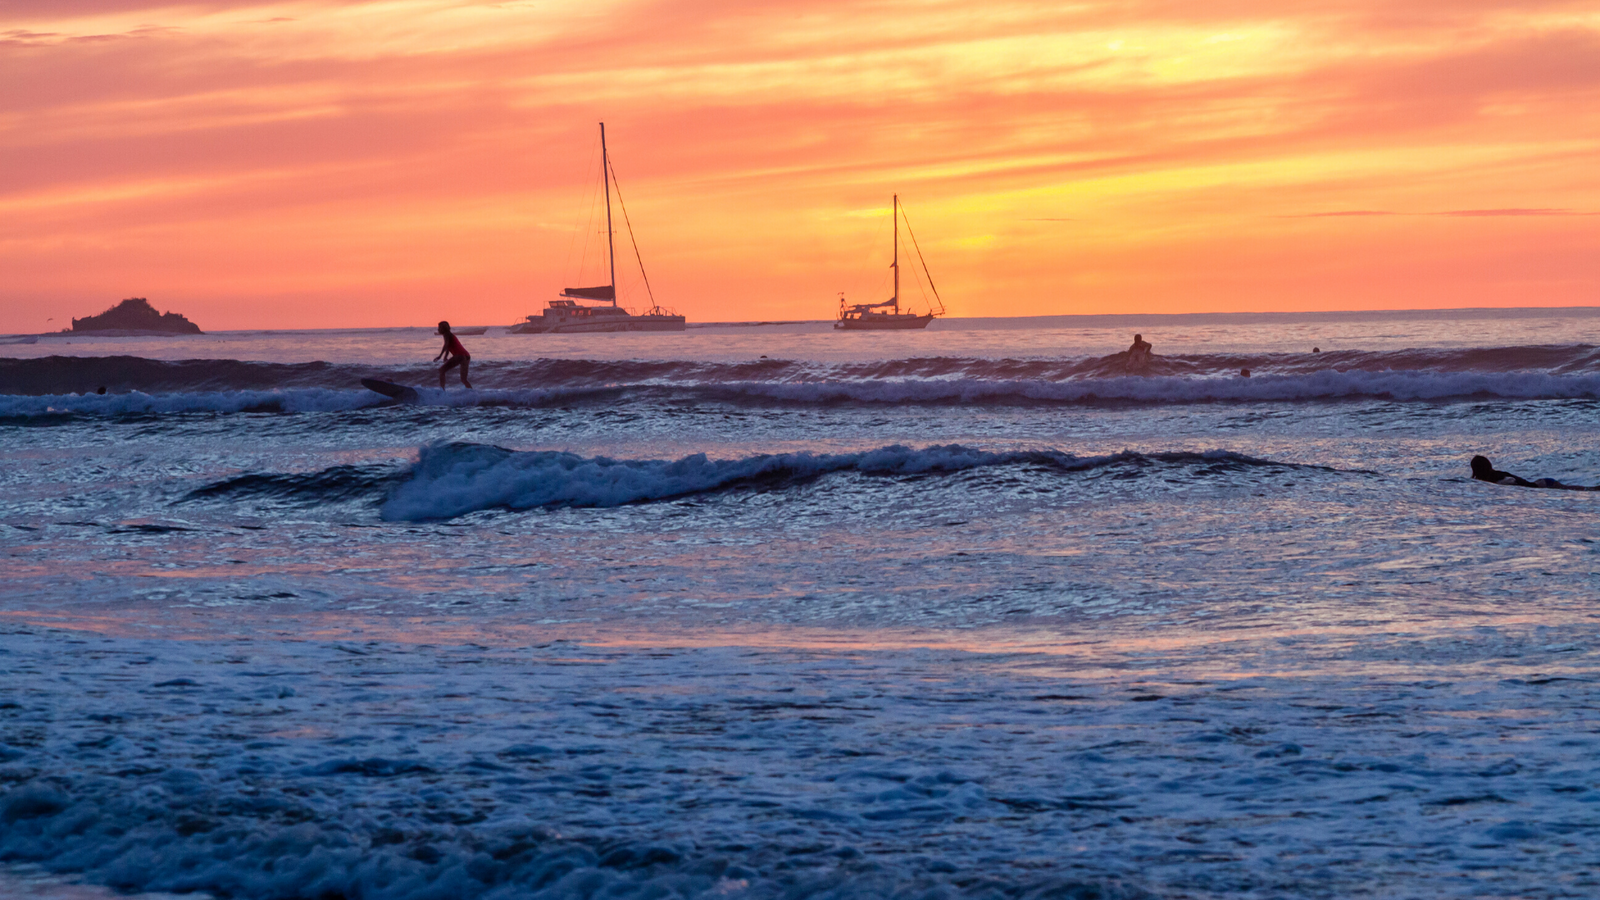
x,y
896,264
611,251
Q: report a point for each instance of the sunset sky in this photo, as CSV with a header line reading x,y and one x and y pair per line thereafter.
x,y
320,164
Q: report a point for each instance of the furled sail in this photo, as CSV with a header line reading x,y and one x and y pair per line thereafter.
x,y
603,292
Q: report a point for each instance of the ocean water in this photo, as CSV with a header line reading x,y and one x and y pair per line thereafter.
x,y
769,611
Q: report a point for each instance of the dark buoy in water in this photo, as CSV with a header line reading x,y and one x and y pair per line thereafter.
x,y
1244,373
1316,349
101,389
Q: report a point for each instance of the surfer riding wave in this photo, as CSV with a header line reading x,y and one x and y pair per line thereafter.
x,y
454,355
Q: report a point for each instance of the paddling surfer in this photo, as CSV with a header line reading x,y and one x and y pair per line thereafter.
x,y
454,355
1483,470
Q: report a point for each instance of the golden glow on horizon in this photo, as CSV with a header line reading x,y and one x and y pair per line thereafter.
x,y
304,164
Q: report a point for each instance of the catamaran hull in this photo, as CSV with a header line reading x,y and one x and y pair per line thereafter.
x,y
883,322
611,326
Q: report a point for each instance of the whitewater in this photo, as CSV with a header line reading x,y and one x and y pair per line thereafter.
x,y
763,611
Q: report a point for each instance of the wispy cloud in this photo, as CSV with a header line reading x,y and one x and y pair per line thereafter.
x,y
1506,212
385,152
1337,214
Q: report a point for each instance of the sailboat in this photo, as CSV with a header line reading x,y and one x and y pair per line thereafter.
x,y
886,316
567,316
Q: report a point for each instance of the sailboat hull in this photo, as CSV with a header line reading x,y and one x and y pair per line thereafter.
x,y
866,317
871,321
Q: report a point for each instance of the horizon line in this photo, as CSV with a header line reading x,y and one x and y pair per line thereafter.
x,y
774,323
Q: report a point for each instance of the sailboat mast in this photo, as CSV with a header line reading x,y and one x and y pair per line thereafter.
x,y
896,265
611,250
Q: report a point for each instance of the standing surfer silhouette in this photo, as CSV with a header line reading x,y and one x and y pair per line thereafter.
x,y
454,355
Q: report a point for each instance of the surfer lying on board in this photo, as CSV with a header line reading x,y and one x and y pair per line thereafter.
x,y
454,355
1483,470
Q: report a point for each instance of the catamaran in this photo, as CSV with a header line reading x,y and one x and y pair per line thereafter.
x,y
567,316
886,316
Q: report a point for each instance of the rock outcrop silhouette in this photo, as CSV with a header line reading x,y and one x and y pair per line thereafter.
x,y
136,314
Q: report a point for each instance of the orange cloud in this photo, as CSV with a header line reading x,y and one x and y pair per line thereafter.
x,y
305,164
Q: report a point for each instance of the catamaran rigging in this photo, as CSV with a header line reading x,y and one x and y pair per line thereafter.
x,y
567,316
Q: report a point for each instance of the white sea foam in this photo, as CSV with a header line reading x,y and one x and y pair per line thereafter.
x,y
279,769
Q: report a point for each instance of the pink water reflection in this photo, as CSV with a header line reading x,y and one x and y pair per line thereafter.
x,y
1118,653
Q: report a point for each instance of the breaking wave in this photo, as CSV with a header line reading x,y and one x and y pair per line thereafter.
x,y
450,480
454,479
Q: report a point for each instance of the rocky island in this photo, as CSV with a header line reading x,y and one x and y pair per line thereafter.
x,y
136,314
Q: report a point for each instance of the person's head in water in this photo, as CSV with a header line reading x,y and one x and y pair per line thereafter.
x,y
444,327
1481,467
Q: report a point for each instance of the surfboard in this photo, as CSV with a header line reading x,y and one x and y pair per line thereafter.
x,y
397,392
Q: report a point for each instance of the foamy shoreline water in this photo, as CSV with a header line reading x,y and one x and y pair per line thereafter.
x,y
358,767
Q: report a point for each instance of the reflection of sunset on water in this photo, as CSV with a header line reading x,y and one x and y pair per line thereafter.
x,y
1098,654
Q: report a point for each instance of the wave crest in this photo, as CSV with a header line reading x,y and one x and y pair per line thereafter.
x,y
450,480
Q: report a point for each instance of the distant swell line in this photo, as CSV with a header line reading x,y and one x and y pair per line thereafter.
x,y
1155,390
142,404
1320,386
61,376
331,485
